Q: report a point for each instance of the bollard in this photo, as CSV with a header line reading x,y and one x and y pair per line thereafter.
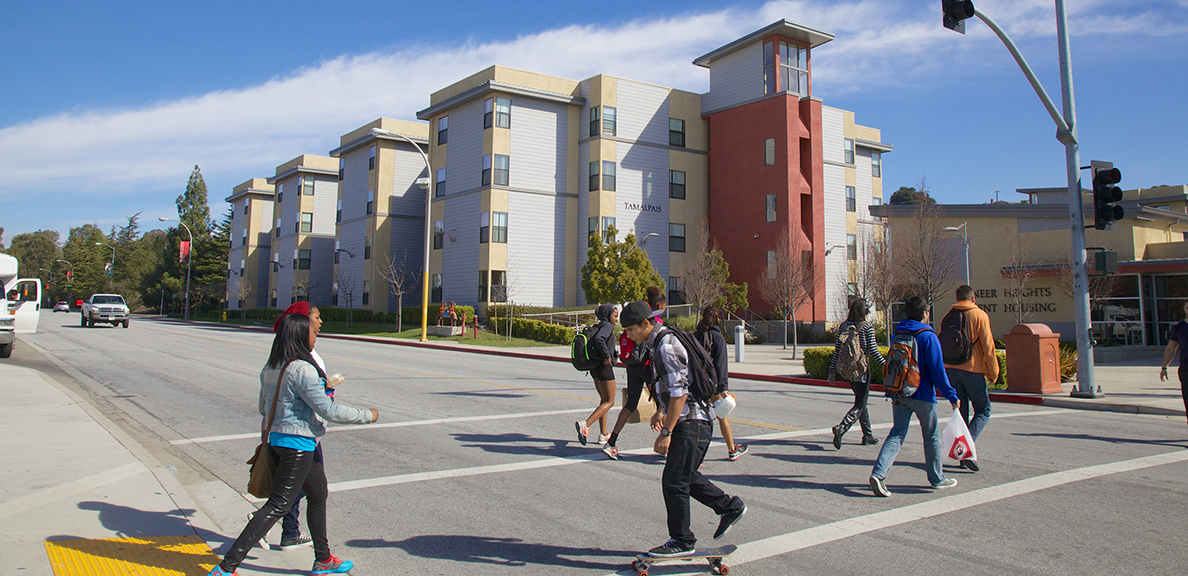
x,y
740,339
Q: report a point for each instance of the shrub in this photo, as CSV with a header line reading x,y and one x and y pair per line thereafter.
x,y
685,323
535,330
1001,383
816,363
412,314
1068,361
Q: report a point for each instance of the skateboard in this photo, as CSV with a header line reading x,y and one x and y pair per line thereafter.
x,y
713,555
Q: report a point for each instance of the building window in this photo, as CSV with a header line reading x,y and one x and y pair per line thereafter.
x,y
303,257
769,84
278,227
608,222
366,292
443,125
851,247
244,242
272,299
338,212
367,247
771,207
503,112
676,287
484,227
499,227
307,222
341,168
876,165
595,121
482,290
851,288
435,291
438,234
849,150
307,185
488,112
439,187
608,175
676,184
851,201
336,252
502,162
280,192
769,152
593,175
676,132
793,68
371,158
771,264
592,227
370,201
246,204
676,237
486,169
499,285
295,258
608,120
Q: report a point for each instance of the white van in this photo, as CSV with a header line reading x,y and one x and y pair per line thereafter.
x,y
20,304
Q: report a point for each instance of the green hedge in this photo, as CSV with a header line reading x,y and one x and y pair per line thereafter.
x,y
535,330
816,363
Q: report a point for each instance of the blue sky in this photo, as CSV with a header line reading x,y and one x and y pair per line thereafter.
x,y
108,106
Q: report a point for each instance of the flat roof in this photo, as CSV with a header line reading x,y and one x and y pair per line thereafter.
x,y
810,36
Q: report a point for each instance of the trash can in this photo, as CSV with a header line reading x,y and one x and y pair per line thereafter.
x,y
1033,359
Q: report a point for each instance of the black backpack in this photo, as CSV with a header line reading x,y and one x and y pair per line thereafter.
x,y
703,378
583,354
956,347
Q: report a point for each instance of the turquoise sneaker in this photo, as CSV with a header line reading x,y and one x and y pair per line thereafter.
x,y
332,566
217,571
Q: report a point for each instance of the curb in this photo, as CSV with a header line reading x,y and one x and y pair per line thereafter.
x,y
1004,397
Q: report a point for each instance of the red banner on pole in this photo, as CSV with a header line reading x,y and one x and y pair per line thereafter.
x,y
184,252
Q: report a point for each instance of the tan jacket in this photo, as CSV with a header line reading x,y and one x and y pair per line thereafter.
x,y
983,359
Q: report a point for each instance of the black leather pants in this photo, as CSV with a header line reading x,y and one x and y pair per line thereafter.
x,y
295,472
858,411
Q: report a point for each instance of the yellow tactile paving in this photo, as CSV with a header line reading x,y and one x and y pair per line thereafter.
x,y
154,556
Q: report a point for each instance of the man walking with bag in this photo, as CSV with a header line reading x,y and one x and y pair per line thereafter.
x,y
971,363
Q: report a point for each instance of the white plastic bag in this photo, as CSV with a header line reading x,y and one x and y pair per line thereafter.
x,y
956,441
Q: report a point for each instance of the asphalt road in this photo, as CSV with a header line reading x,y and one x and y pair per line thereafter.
x,y
474,467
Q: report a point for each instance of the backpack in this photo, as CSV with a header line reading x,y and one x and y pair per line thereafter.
x,y
703,378
852,363
954,338
901,374
583,354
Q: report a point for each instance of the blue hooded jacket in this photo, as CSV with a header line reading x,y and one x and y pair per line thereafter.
x,y
932,365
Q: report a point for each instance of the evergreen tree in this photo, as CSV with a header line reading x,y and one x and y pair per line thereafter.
x,y
87,260
617,271
1,238
192,208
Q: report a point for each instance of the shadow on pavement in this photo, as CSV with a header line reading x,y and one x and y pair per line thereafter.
x,y
484,394
1182,443
508,552
512,443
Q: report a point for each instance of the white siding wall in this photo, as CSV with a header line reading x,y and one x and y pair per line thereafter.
x,y
408,245
582,231
266,223
351,239
284,276
584,119
321,269
833,134
835,236
735,79
864,183
464,152
460,259
325,203
355,184
538,142
407,198
642,113
642,179
536,249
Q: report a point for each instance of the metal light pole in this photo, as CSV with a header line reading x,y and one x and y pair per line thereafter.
x,y
189,260
111,276
71,274
428,187
1066,133
964,242
51,280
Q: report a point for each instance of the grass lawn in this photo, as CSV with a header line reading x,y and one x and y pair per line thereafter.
x,y
485,338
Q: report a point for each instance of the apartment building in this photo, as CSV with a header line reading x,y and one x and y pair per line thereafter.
x,y
303,231
380,215
250,244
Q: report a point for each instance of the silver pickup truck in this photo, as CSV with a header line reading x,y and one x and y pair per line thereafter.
x,y
109,308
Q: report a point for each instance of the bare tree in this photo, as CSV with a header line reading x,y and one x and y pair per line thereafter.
x,y
875,281
346,283
789,281
706,275
927,258
1018,275
515,285
402,279
245,290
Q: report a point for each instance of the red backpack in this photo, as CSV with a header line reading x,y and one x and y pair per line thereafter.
x,y
901,374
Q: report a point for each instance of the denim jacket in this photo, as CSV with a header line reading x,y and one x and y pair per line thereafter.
x,y
302,399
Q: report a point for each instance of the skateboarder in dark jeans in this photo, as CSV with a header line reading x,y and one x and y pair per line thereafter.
x,y
685,431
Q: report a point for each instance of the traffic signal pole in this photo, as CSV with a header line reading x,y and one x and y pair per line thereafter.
x,y
1066,133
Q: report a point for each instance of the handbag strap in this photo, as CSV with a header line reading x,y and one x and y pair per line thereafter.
x,y
275,396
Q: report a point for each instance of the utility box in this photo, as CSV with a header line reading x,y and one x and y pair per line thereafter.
x,y
1033,360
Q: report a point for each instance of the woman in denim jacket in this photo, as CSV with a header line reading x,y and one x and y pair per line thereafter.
x,y
293,440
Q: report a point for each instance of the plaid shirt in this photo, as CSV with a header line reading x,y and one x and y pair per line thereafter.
x,y
670,362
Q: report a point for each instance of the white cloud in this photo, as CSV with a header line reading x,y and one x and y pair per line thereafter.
x,y
238,134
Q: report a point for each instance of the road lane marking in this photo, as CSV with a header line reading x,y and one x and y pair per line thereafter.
x,y
206,439
54,493
797,433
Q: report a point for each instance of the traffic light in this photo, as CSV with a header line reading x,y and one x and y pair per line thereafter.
x,y
69,278
1105,195
956,11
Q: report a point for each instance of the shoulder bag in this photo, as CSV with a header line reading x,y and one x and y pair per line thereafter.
x,y
263,465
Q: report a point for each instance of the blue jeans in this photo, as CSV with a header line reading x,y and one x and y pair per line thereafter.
x,y
690,441
902,416
971,389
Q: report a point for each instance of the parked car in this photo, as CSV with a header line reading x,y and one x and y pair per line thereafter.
x,y
62,306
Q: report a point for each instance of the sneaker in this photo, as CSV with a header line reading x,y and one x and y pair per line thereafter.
x,y
971,465
946,483
332,566
728,519
603,438
582,430
671,549
837,436
879,488
868,440
739,450
217,571
610,451
299,541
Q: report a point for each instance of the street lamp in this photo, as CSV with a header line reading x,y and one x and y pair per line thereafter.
x,y
965,242
189,259
426,184
68,277
645,238
111,275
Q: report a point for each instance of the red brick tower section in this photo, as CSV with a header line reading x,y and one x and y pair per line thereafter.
x,y
741,180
